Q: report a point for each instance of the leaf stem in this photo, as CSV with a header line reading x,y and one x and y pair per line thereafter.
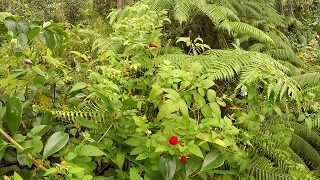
x,y
105,133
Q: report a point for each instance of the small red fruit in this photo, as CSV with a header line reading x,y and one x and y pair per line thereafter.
x,y
173,140
127,70
183,159
151,45
133,94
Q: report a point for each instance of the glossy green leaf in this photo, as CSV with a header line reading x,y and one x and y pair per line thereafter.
x,y
50,40
129,103
4,170
78,86
33,33
40,130
38,70
193,164
194,149
167,166
22,39
87,123
54,143
14,114
212,161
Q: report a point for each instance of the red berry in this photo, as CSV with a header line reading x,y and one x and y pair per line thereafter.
x,y
183,159
133,94
152,45
127,70
173,140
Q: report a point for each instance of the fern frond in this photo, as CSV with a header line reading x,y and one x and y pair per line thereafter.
x,y
262,168
105,44
309,79
243,28
305,150
182,10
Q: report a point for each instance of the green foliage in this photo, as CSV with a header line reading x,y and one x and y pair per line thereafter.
x,y
103,99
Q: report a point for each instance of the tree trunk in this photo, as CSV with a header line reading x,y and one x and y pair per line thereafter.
x,y
120,4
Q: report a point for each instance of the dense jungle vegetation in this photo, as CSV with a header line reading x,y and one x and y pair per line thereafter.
x,y
160,89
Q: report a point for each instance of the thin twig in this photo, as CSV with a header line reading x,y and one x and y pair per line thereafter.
x,y
105,134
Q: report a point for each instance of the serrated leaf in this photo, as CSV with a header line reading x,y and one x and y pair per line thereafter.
x,y
87,123
206,111
134,175
207,83
50,171
183,107
78,86
215,109
133,142
167,166
14,114
194,163
167,108
142,156
219,142
137,150
173,95
54,143
194,149
89,150
212,160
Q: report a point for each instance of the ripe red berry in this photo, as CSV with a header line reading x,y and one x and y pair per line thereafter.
x,y
133,94
127,70
183,159
173,140
151,45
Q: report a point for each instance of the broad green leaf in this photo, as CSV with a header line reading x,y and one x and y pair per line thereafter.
x,y
75,170
14,114
137,150
194,149
172,94
207,83
2,112
54,143
22,39
106,100
167,166
87,123
183,107
211,95
87,177
134,175
33,33
16,176
194,163
89,150
40,130
120,157
42,38
219,142
50,41
78,86
4,170
46,24
206,111
38,70
133,142
212,160
215,109
277,110
23,27
129,103
142,156
23,159
167,108
39,80
3,147
50,171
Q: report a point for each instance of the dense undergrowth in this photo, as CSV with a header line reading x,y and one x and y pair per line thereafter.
x,y
162,89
